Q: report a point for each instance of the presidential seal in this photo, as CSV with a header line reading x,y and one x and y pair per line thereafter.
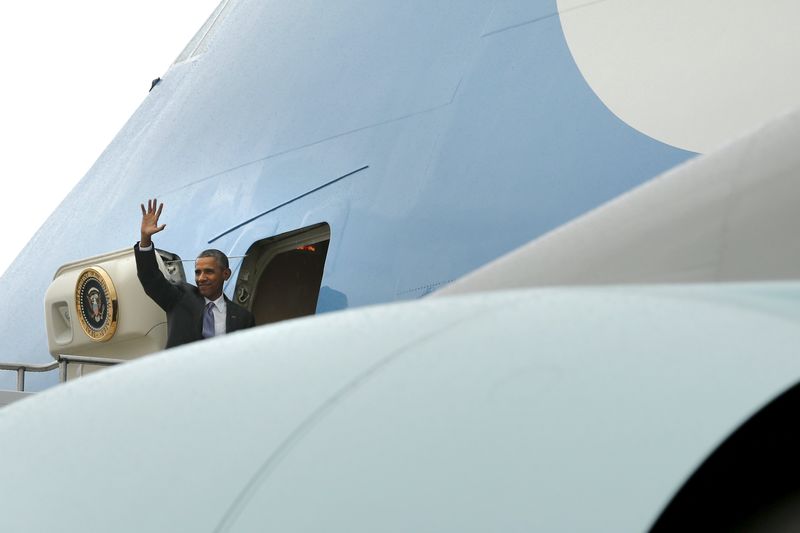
x,y
96,302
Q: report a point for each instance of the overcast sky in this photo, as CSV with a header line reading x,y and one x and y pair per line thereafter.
x,y
72,74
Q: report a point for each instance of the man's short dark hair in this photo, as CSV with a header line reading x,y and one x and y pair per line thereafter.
x,y
222,259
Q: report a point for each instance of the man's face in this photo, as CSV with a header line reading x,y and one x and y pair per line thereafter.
x,y
209,277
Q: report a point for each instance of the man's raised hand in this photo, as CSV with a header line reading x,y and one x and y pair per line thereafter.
x,y
150,221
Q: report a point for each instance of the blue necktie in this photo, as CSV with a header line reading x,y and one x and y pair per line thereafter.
x,y
208,321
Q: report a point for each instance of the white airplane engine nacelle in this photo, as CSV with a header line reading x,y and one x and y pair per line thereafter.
x,y
96,307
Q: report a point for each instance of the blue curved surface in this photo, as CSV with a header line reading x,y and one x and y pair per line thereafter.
x,y
477,129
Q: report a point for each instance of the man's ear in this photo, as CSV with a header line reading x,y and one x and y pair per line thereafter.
x,y
226,274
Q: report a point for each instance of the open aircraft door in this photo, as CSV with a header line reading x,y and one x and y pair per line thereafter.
x,y
96,307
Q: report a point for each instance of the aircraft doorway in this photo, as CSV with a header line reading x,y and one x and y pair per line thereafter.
x,y
281,276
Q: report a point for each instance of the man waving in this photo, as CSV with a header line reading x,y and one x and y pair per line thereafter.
x,y
193,312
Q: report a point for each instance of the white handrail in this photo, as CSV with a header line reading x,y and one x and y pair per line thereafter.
x,y
61,363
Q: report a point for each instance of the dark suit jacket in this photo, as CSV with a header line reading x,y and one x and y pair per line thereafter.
x,y
183,303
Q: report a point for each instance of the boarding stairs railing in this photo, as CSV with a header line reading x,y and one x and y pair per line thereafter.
x,y
62,362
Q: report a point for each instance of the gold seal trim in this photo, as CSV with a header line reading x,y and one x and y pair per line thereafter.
x,y
96,297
